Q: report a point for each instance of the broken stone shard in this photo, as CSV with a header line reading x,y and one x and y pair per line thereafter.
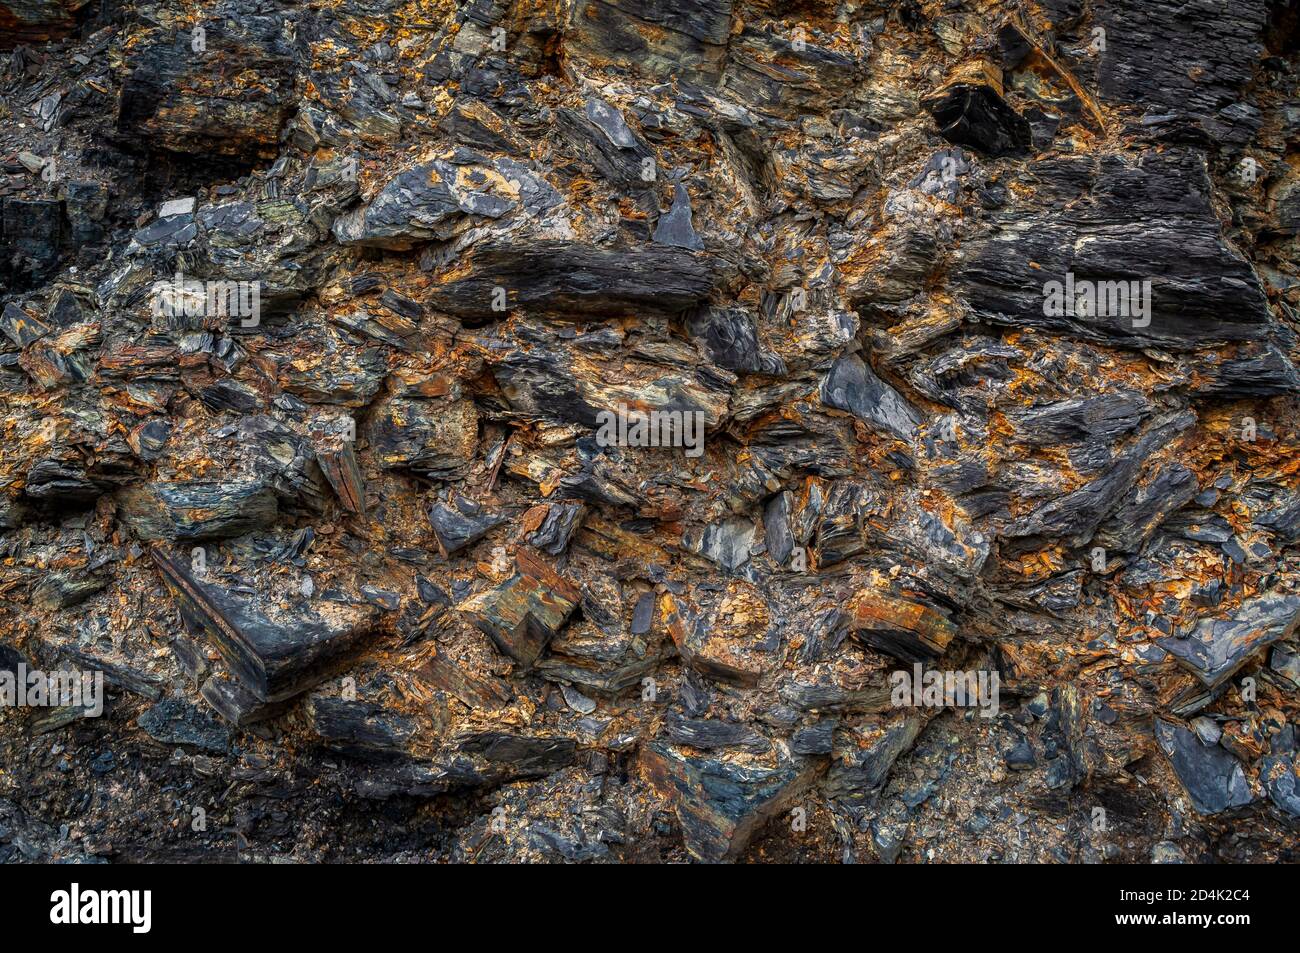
x,y
275,655
1216,648
525,612
720,805
1214,779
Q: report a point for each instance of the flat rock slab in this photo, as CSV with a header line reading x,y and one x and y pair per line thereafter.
x,y
193,511
1216,648
563,277
907,630
1214,779
274,659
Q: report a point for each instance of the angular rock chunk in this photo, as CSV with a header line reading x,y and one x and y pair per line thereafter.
x,y
601,136
170,100
970,111
730,336
550,527
323,372
339,464
274,658
176,722
1281,777
726,543
674,227
557,381
907,630
360,729
557,277
777,530
773,74
1214,779
707,734
1075,516
426,202
21,327
707,646
861,765
432,438
852,386
1146,507
721,805
1216,648
525,612
192,511
519,756
445,675
461,522
1103,418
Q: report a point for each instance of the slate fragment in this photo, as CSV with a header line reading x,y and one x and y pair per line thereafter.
x,y
360,729
1212,777
460,522
1216,648
909,631
663,38
274,658
169,101
524,613
730,656
852,386
196,511
722,805
551,527
339,464
176,722
559,277
426,202
432,438
730,336
674,227
970,111
31,238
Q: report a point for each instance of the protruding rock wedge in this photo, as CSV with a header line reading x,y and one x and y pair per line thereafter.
x,y
275,658
1216,648
193,511
970,111
721,805
559,277
523,614
907,630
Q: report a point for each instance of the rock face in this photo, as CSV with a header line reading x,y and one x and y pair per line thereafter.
x,y
684,430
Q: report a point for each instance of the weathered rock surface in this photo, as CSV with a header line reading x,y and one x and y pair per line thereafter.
x,y
598,431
